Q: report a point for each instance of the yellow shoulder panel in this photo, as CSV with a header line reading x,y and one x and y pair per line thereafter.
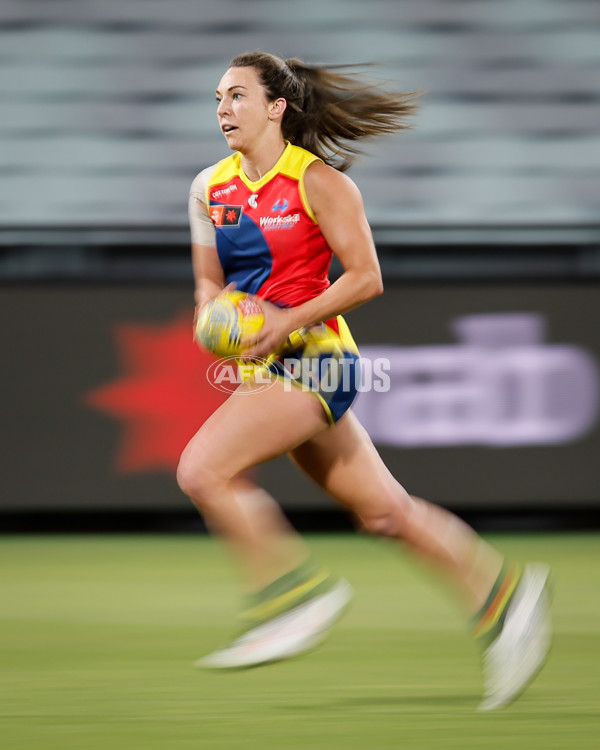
x,y
294,163
225,170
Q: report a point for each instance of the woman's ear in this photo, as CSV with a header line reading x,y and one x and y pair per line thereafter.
x,y
277,108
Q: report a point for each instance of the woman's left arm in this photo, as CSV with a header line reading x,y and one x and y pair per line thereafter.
x,y
338,206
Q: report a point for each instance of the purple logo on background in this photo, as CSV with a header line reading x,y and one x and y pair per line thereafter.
x,y
501,385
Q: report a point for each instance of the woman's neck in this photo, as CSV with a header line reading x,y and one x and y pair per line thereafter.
x,y
259,162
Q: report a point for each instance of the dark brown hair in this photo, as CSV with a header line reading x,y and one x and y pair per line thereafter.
x,y
329,108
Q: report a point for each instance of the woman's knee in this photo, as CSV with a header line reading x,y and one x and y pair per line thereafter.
x,y
197,480
381,525
390,522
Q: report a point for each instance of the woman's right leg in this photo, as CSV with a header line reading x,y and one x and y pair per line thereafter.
x,y
293,601
252,426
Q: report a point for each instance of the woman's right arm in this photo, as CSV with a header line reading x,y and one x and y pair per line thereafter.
x,y
209,278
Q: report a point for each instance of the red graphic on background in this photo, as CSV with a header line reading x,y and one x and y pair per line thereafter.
x,y
163,396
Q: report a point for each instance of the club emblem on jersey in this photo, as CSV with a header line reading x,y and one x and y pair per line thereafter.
x,y
226,216
280,205
253,200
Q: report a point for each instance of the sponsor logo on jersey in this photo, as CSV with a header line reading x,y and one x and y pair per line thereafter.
x,y
253,200
279,222
225,191
226,216
280,205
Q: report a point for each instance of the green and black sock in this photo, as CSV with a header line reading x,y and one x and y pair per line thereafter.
x,y
488,622
289,591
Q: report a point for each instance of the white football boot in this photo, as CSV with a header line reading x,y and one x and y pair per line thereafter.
x,y
289,634
521,648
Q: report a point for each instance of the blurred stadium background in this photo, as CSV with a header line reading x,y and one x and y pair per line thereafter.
x,y
486,217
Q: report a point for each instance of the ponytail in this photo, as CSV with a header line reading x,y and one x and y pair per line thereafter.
x,y
329,111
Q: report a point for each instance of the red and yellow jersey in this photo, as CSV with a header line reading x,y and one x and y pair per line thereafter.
x,y
268,239
269,244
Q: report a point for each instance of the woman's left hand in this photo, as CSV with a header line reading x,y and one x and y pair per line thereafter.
x,y
275,330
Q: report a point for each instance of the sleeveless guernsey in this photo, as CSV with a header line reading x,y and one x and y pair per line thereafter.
x,y
268,240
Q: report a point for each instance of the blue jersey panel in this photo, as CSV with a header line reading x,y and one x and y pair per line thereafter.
x,y
244,255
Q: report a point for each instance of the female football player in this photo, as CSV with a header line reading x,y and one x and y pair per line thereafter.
x,y
267,220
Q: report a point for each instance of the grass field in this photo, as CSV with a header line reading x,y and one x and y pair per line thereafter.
x,y
98,634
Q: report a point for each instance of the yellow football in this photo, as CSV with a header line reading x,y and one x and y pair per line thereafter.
x,y
226,321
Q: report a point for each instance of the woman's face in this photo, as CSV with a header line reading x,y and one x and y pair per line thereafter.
x,y
243,110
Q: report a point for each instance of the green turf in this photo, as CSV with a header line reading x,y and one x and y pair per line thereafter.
x,y
98,635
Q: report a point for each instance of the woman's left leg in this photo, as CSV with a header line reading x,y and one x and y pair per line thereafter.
x,y
510,610
345,463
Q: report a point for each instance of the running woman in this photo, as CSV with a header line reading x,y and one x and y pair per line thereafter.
x,y
268,219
